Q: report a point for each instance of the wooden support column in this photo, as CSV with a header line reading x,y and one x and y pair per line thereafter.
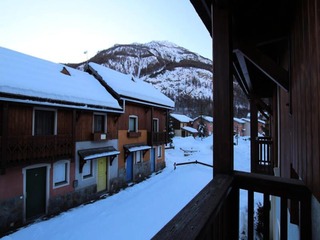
x,y
253,135
222,91
74,129
152,131
4,139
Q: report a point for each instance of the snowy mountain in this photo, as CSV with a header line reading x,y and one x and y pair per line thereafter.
x,y
182,75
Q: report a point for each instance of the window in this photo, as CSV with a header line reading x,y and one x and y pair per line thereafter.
x,y
61,171
137,157
87,170
133,124
44,122
159,151
99,123
155,125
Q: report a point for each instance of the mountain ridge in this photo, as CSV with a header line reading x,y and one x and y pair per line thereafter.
x,y
182,75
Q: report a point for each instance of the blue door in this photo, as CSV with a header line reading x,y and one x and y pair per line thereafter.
x,y
129,167
153,160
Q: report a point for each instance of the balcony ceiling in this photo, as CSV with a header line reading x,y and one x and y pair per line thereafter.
x,y
259,41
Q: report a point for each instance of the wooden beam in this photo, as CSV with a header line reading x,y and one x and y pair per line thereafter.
x,y
244,69
264,106
204,11
222,91
265,64
240,80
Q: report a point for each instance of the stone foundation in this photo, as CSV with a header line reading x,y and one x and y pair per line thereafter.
x,y
11,214
64,202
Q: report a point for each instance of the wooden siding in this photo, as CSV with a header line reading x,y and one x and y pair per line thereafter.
x,y
161,115
112,126
64,122
20,147
20,120
300,131
143,114
84,126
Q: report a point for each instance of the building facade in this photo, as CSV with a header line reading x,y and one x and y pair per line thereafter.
x,y
42,124
143,127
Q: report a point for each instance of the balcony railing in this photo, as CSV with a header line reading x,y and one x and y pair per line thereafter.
x,y
29,149
157,138
214,212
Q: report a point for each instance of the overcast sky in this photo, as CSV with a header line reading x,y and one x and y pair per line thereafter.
x,y
62,30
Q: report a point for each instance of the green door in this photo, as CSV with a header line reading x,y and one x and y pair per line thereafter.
x,y
36,180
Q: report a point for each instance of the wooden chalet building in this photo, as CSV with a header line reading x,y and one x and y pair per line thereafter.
x,y
142,128
272,48
179,122
48,114
239,127
206,121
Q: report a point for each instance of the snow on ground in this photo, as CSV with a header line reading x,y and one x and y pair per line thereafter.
x,y
140,211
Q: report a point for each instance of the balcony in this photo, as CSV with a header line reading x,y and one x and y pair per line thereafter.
x,y
30,149
214,212
133,134
157,138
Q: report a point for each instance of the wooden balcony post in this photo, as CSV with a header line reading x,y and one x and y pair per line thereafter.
x,y
151,122
4,139
74,129
253,135
222,90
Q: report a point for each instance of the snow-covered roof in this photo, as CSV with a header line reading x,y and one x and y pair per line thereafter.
x,y
128,86
246,119
207,118
190,129
138,148
26,76
238,120
181,117
92,153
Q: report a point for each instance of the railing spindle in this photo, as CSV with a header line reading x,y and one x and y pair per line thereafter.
x,y
250,214
284,219
266,216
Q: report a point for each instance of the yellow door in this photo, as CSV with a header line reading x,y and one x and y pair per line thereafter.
x,y
102,174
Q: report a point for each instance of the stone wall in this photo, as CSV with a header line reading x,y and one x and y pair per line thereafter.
x,y
11,214
64,202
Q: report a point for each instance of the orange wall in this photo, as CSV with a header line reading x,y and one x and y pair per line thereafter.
x,y
123,140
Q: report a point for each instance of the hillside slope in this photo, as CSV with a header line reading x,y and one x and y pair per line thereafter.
x,y
182,75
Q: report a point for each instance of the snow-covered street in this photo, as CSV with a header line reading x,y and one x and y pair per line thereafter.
x,y
139,211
